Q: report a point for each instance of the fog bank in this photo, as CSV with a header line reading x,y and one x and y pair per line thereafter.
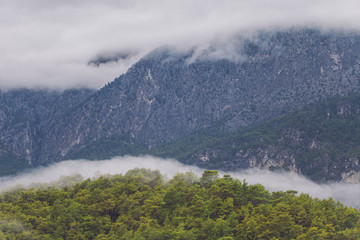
x,y
48,44
349,194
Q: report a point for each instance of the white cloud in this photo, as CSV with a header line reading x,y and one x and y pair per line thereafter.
x,y
273,181
48,43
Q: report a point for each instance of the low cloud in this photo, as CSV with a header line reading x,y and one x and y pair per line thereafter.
x,y
111,57
48,44
91,169
273,181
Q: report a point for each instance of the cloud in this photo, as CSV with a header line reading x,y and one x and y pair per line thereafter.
x,y
111,57
273,181
49,43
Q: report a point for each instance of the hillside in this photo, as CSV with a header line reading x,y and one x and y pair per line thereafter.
x,y
320,141
141,205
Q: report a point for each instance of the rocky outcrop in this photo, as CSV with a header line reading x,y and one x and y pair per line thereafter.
x,y
261,158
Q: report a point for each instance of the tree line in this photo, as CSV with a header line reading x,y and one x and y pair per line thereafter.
x,y
142,205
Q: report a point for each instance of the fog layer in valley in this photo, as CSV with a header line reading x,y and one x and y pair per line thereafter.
x,y
273,181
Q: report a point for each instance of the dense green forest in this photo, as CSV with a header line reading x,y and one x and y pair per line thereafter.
x,y
142,205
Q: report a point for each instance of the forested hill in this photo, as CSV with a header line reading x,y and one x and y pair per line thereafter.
x,y
141,205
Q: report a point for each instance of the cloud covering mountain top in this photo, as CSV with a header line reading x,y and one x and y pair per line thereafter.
x,y
48,44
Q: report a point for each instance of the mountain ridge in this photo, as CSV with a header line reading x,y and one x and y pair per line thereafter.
x,y
168,94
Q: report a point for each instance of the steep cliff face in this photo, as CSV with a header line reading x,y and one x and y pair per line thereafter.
x,y
26,114
168,94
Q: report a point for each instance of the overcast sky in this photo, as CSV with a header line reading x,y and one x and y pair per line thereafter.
x,y
48,44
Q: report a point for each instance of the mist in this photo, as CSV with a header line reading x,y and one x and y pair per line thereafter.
x,y
346,193
48,44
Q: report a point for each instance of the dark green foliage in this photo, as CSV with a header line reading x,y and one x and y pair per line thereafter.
x,y
140,205
11,164
183,148
108,147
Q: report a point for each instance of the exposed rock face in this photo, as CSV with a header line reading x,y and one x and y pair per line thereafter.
x,y
268,158
25,116
167,95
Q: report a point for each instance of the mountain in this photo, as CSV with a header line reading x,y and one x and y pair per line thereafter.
x,y
169,95
165,96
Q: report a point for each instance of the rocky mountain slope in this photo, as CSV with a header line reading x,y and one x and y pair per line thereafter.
x,y
169,94
25,115
321,141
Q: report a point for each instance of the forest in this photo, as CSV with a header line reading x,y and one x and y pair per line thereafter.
x,y
143,204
